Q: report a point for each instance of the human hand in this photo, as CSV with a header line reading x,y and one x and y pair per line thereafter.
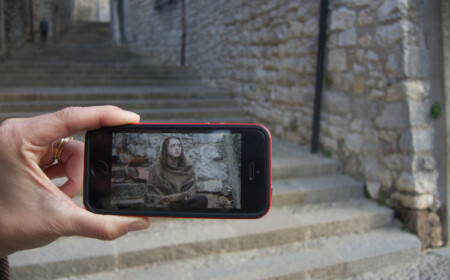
x,y
33,210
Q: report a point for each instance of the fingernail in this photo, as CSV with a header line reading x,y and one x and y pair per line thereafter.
x,y
132,114
136,226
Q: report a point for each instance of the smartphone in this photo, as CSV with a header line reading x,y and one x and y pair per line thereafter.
x,y
179,170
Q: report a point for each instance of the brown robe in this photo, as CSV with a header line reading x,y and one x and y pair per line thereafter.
x,y
167,183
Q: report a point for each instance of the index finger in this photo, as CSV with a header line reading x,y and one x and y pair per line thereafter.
x,y
48,128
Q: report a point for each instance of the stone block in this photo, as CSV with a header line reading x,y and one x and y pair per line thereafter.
x,y
337,60
128,191
354,142
208,138
419,202
394,115
295,30
418,182
405,143
338,103
376,95
210,170
417,62
423,139
394,161
371,56
347,38
405,182
337,132
342,19
365,40
418,113
387,36
415,90
396,92
373,188
356,125
426,225
358,85
394,65
210,186
329,144
365,17
371,168
424,163
310,28
388,136
386,177
392,10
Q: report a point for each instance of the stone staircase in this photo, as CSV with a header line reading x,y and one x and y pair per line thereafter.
x,y
84,42
86,69
320,226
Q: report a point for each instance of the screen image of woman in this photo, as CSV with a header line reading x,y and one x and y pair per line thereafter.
x,y
172,182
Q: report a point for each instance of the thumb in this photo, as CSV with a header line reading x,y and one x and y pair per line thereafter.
x,y
105,227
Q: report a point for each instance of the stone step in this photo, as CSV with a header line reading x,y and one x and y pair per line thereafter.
x,y
292,161
100,46
160,114
177,239
81,36
64,47
46,76
44,71
324,258
100,82
78,57
325,188
299,167
127,104
100,53
108,93
61,66
295,191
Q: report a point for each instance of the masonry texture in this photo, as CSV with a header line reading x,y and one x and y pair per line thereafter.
x,y
376,89
155,31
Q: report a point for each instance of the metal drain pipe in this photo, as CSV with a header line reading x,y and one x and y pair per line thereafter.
x,y
319,75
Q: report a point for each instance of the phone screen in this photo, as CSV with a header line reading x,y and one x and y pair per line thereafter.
x,y
179,170
174,171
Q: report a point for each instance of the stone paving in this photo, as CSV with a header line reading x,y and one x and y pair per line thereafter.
x,y
434,264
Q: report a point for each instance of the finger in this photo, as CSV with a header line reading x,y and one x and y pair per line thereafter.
x,y
55,171
72,158
71,187
72,120
105,227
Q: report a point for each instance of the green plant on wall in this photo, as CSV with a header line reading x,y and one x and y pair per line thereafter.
x,y
435,110
327,154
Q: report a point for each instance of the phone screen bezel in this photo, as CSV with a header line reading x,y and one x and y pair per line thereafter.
x,y
255,148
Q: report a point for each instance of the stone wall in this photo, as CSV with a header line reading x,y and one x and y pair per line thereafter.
x,y
2,29
58,14
88,10
216,158
445,16
376,101
154,31
16,24
16,28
